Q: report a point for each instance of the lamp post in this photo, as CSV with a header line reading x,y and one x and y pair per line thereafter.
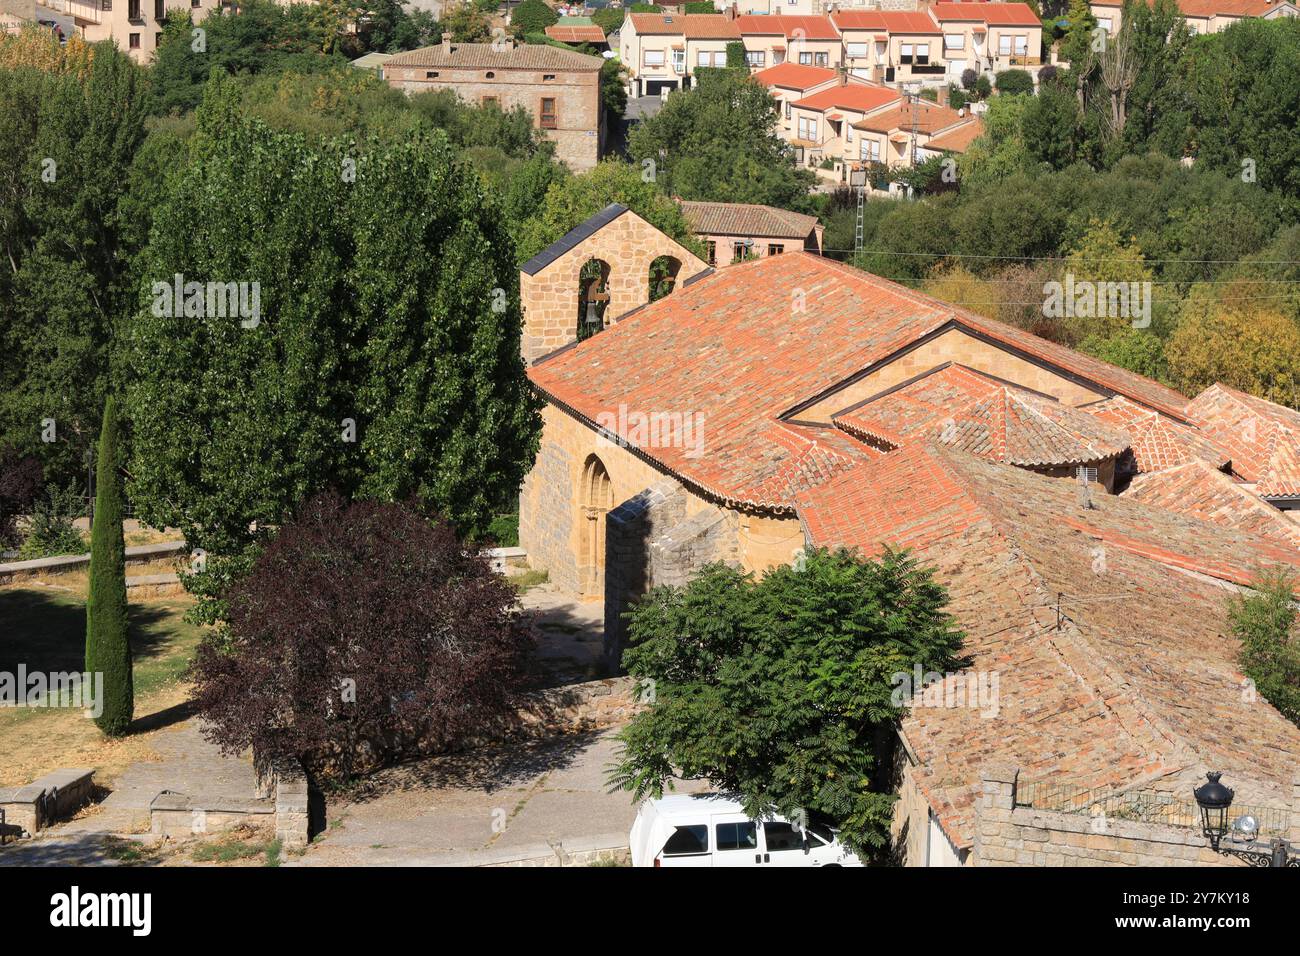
x,y
1214,799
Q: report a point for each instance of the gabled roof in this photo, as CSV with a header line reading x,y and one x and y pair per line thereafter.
x,y
956,139
964,409
1261,437
1199,489
851,96
790,27
745,219
1224,8
529,56
752,342
927,117
795,76
1157,441
1105,627
571,238
886,21
994,14
693,26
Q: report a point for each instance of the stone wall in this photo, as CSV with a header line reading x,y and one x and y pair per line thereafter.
x,y
628,244
55,796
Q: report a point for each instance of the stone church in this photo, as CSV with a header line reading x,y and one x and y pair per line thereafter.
x,y
1089,523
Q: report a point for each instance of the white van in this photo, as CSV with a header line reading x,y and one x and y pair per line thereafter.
x,y
708,829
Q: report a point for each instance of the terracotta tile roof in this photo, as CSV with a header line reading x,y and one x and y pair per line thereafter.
x,y
1261,437
753,341
795,76
745,219
957,139
963,409
1224,8
928,117
886,21
791,27
529,56
1157,441
994,14
694,26
576,33
1133,679
1198,488
850,96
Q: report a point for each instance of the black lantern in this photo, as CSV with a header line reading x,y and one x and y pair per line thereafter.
x,y
1214,799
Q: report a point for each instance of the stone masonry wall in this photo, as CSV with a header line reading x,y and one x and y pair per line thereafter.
x,y
546,513
628,245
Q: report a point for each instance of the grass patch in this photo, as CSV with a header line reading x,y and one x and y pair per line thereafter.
x,y
44,629
528,579
229,849
128,852
272,852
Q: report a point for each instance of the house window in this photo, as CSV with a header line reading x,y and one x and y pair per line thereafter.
x,y
703,58
157,39
491,101
756,58
547,77
856,50
1022,46
808,129
775,249
431,75
134,41
922,54
133,9
712,247
869,150
954,41
822,59
805,59
1104,23
158,10
738,249
106,5
489,75
548,120
195,3
905,55
787,109
1004,44
652,58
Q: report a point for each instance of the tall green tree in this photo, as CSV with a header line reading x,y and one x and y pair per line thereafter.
x,y
532,16
108,645
782,689
1264,620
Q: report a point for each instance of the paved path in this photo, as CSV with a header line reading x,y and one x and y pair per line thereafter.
x,y
488,807
570,634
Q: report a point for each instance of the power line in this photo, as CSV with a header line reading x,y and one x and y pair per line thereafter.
x,y
973,255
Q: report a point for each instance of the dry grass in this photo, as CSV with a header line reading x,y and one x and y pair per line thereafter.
x,y
45,630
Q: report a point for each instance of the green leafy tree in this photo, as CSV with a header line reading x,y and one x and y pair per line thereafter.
x,y
781,689
108,646
1264,620
1138,350
533,16
1014,82
381,359
467,24
1050,124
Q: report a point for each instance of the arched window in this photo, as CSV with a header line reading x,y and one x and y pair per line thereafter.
x,y
593,297
595,498
663,276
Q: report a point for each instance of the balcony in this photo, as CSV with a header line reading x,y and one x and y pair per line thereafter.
x,y
84,11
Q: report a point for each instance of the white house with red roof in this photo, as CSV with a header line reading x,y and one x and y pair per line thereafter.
x,y
662,51
989,37
822,125
804,40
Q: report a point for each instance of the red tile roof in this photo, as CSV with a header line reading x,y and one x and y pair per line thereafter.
x,y
961,408
956,139
751,342
928,117
888,21
850,96
576,33
795,76
791,27
994,14
746,219
1261,437
694,26
1199,489
1108,654
1224,8
1157,441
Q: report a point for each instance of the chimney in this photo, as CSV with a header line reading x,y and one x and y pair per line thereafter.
x,y
446,43
942,98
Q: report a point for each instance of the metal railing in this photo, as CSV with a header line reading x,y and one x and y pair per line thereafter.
x,y
1142,806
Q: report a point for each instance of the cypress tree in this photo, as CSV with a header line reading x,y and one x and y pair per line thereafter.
x,y
108,650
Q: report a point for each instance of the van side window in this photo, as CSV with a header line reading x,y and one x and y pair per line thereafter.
x,y
782,836
687,840
737,836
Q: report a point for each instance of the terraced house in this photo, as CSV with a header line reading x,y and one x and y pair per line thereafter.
x,y
989,37
1089,525
804,40
662,51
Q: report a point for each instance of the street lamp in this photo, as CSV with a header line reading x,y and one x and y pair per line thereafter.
x,y
1214,799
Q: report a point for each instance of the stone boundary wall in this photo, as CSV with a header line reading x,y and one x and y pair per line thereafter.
x,y
283,800
53,797
44,567
1008,835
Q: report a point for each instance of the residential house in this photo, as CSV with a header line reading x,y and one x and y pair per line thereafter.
x,y
736,232
804,40
899,136
559,88
838,409
823,125
865,40
662,51
790,82
136,26
989,37
952,139
579,34
1211,16
1109,14
911,50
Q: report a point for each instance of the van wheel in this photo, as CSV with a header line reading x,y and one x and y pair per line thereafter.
x,y
832,866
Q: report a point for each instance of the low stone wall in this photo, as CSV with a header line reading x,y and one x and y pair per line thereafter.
x,y
577,708
53,797
49,567
283,802
505,560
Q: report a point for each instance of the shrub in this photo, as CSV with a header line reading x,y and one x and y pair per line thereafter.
x,y
533,16
969,78
20,486
983,88
1264,621
51,531
1013,82
363,633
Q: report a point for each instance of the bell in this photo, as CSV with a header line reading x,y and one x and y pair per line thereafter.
x,y
593,317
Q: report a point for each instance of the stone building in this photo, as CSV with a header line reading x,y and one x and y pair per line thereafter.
x,y
733,232
1088,523
559,88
